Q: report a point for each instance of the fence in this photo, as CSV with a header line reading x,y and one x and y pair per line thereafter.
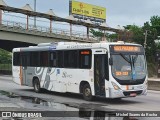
x,y
39,30
5,69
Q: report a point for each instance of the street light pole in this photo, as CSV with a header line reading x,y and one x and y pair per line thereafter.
x,y
35,11
145,40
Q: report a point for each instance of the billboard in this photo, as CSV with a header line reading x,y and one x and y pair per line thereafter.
x,y
87,11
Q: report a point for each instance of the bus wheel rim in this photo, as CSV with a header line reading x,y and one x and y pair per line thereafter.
x,y
87,92
36,86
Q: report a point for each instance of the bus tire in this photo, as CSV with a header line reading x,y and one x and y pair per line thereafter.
x,y
36,85
87,93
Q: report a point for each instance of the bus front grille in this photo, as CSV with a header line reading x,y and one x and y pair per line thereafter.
x,y
128,93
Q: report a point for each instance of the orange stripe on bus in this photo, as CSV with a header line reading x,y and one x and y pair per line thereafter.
x,y
20,75
127,87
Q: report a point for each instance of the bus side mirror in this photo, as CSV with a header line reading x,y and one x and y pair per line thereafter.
x,y
110,61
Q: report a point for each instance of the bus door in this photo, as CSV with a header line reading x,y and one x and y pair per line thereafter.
x,y
25,62
99,74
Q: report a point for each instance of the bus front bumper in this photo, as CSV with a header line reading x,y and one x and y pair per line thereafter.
x,y
126,93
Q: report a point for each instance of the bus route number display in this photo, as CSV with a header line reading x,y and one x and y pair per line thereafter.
x,y
122,48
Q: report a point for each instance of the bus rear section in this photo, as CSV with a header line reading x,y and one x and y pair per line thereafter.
x,y
16,67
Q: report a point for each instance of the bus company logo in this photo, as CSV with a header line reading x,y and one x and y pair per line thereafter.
x,y
81,5
38,70
79,46
6,114
66,75
80,9
52,48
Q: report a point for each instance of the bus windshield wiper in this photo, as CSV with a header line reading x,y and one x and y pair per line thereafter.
x,y
125,58
134,59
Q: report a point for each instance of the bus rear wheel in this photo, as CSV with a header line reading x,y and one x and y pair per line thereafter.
x,y
87,93
36,85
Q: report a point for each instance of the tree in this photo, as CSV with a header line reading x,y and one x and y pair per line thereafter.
x,y
100,34
155,23
136,34
151,36
97,33
5,57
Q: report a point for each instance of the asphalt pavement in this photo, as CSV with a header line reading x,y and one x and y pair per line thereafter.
x,y
14,97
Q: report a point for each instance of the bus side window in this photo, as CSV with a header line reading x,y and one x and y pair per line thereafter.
x,y
52,58
44,59
66,61
106,67
85,59
60,59
34,58
73,59
16,58
70,59
25,59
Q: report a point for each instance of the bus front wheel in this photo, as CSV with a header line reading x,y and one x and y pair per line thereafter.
x,y
87,93
36,85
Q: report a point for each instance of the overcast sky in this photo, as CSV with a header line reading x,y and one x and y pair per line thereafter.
x,y
119,12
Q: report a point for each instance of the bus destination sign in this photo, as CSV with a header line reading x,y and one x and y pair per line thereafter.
x,y
125,48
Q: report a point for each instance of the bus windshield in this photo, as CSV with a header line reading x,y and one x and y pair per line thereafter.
x,y
128,66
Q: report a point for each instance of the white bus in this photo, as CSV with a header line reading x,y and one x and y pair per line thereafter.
x,y
111,70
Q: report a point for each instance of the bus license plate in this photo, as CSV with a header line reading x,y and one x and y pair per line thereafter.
x,y
133,94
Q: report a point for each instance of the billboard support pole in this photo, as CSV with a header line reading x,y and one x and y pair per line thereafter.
x,y
27,22
104,36
87,32
50,25
0,16
70,29
35,11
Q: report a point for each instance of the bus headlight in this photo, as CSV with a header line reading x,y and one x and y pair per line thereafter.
x,y
116,87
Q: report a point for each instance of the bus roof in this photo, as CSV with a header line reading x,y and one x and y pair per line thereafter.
x,y
70,45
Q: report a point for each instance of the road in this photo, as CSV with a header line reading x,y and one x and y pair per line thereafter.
x,y
16,97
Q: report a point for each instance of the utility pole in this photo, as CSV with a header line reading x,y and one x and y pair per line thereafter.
x,y
145,40
0,16
35,11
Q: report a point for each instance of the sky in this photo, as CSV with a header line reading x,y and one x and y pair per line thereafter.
x,y
118,12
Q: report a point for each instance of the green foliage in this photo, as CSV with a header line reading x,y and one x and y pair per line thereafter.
x,y
151,36
97,33
113,36
137,33
5,57
7,66
155,23
158,46
100,34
